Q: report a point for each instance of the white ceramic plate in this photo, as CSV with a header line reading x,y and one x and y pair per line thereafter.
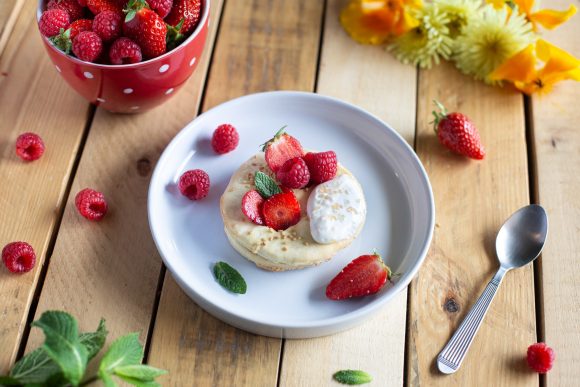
x,y
190,235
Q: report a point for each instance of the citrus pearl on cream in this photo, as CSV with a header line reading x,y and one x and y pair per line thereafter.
x,y
336,209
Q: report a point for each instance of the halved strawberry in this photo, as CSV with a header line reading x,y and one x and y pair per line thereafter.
x,y
281,148
365,275
252,203
281,211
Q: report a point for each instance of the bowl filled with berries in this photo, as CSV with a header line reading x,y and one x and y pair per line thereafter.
x,y
126,56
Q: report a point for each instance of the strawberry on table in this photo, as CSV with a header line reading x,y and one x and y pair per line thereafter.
x,y
281,148
365,275
146,28
458,133
281,211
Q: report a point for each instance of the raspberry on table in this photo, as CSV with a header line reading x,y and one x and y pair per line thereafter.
x,y
107,25
52,20
541,357
29,146
194,184
19,257
225,139
123,51
91,204
294,173
322,166
87,46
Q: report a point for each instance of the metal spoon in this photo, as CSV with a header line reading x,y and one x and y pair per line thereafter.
x,y
519,241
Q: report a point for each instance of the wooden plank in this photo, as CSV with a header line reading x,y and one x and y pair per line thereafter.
x,y
111,268
9,12
557,147
376,73
472,201
263,46
34,98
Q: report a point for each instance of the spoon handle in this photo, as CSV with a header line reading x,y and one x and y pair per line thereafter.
x,y
454,352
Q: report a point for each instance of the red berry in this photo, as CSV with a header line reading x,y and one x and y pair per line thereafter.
x,y
79,26
456,132
162,7
72,7
294,173
187,10
225,139
107,25
145,28
365,275
194,184
98,6
87,46
91,204
252,203
281,148
281,211
29,146
52,20
82,3
19,257
322,166
541,357
123,51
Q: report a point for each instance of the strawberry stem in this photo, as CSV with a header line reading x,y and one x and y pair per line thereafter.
x,y
439,115
62,40
276,136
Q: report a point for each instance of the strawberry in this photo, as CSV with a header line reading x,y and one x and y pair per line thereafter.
x,y
458,133
281,148
252,203
72,7
186,12
365,275
146,28
162,7
98,6
281,211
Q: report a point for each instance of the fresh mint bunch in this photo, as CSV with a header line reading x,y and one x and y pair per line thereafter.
x,y
62,359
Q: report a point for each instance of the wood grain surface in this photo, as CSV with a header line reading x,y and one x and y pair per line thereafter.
x,y
9,12
33,98
268,45
473,199
111,268
556,140
365,76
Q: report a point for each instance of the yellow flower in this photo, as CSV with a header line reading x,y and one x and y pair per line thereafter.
x,y
374,21
547,18
521,69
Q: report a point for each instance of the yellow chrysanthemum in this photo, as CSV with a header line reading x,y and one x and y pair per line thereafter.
x,y
521,69
427,42
547,18
374,21
459,13
489,40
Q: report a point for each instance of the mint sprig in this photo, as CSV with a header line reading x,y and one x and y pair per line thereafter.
x,y
62,359
265,185
229,278
352,377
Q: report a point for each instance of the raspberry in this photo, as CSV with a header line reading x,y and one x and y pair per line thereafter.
x,y
18,257
72,7
87,46
162,7
225,139
52,20
322,166
123,51
29,146
79,26
294,173
107,25
194,184
82,3
91,204
252,203
540,357
98,6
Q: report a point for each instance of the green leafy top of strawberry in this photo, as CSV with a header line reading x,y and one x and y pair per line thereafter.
x,y
134,6
439,115
62,41
278,134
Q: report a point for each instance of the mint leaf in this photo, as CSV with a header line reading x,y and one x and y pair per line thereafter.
x,y
35,367
265,185
140,371
139,382
62,344
126,350
352,377
229,278
9,381
94,341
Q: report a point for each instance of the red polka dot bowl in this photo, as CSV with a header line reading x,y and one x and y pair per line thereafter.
x,y
132,88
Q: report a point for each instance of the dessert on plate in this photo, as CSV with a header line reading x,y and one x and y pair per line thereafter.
x,y
286,208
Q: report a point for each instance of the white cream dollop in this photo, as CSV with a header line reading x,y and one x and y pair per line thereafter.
x,y
336,209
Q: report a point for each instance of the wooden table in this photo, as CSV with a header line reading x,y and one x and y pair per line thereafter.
x,y
112,268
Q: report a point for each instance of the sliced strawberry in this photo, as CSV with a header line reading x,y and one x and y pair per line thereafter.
x,y
281,148
365,275
281,211
252,203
